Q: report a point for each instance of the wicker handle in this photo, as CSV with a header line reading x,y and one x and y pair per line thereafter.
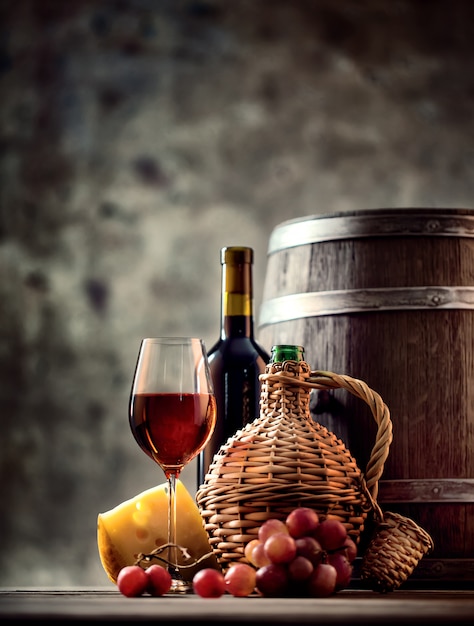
x,y
380,411
329,380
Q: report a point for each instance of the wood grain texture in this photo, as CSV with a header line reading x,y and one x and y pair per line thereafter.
x,y
346,608
420,361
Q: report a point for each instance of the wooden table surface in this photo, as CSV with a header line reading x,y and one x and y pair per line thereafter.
x,y
348,607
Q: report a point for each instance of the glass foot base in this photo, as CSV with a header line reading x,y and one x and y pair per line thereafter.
x,y
180,586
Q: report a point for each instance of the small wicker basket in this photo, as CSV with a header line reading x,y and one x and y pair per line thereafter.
x,y
284,459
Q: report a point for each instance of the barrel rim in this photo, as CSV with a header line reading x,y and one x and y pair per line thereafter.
x,y
370,300
406,222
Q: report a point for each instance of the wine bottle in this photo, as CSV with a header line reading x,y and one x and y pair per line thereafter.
x,y
236,360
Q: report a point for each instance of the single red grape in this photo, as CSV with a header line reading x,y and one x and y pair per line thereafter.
x,y
159,580
300,569
249,547
258,556
343,569
280,548
322,582
331,534
272,580
350,549
302,521
240,580
310,548
270,527
209,583
132,581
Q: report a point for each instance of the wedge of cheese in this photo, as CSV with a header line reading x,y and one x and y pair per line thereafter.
x,y
139,525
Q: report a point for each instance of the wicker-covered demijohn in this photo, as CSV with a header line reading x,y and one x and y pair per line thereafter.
x,y
284,459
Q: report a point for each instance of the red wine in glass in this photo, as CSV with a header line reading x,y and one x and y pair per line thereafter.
x,y
172,428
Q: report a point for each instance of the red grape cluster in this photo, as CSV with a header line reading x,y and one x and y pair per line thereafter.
x,y
302,556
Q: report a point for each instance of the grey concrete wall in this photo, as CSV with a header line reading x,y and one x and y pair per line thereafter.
x,y
139,137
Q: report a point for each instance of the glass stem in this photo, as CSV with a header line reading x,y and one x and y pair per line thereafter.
x,y
172,552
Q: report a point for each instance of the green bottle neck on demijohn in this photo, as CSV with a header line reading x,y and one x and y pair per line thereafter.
x,y
284,352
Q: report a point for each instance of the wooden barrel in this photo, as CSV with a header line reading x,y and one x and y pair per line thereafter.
x,y
388,296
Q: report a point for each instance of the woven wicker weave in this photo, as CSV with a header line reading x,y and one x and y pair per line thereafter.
x,y
284,459
396,548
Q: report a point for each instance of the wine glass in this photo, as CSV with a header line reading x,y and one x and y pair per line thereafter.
x,y
172,415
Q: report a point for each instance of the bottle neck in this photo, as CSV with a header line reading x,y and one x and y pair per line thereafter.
x,y
282,353
237,300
